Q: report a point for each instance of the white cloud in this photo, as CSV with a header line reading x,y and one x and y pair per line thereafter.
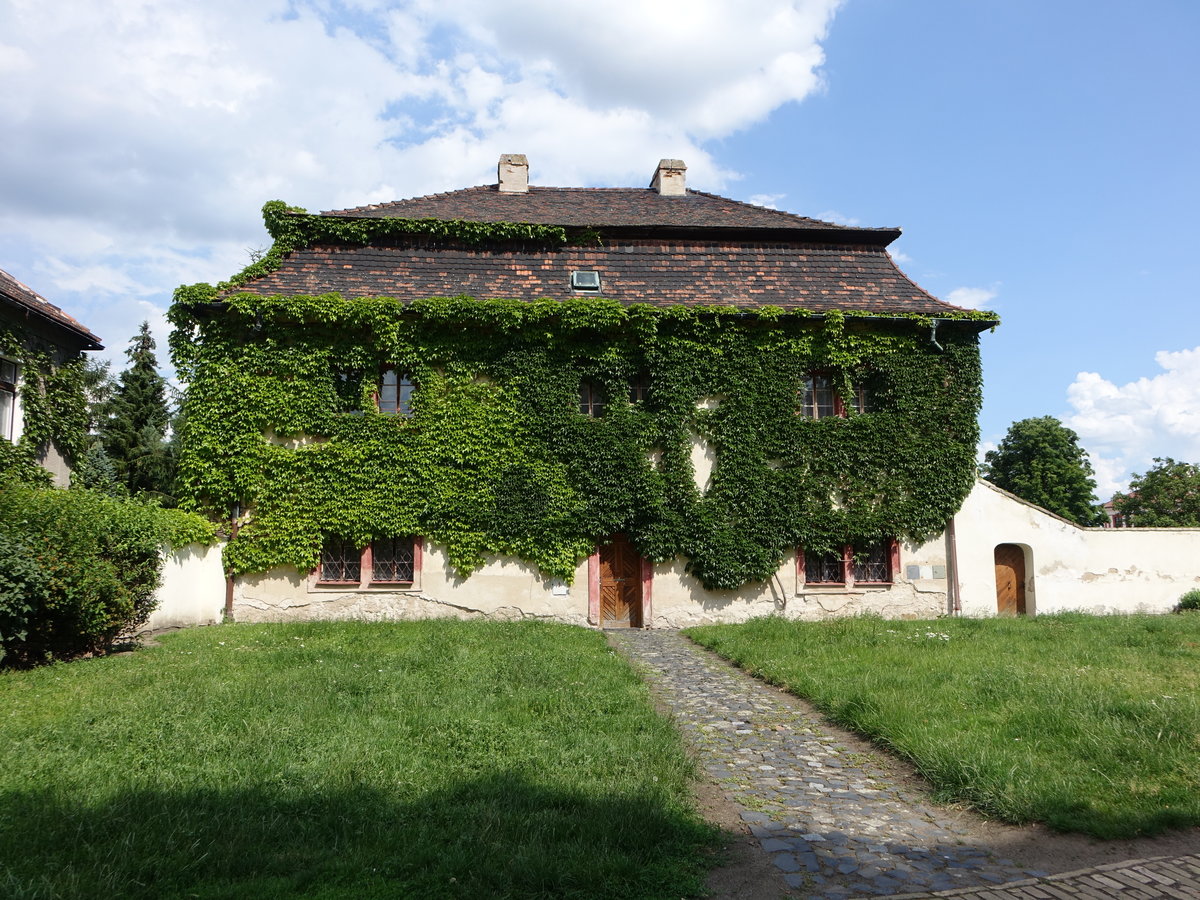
x,y
147,133
972,297
766,200
832,215
1125,427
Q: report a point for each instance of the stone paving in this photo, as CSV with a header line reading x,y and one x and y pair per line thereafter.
x,y
834,822
1175,877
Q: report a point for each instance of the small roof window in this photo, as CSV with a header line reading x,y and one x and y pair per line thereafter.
x,y
583,280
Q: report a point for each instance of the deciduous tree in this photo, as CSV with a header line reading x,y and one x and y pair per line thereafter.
x,y
1168,495
1040,460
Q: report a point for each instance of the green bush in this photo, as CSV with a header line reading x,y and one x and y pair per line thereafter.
x,y
78,569
1190,600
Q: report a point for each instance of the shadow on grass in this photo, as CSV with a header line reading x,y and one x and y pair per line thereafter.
x,y
495,837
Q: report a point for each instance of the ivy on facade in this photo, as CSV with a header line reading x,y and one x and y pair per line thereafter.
x,y
54,405
280,423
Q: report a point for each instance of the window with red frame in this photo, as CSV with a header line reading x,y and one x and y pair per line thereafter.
x,y
395,393
383,561
819,398
875,564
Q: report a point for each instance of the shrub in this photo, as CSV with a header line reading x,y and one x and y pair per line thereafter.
x,y
1190,600
78,569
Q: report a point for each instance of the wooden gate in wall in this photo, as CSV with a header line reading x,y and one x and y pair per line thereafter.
x,y
1010,580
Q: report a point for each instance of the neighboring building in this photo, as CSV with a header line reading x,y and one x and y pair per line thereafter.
x,y
1115,519
688,379
37,339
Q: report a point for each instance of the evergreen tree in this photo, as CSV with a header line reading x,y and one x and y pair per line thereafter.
x,y
134,426
1040,460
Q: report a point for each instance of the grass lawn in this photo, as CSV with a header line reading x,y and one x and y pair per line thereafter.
x,y
1085,723
346,760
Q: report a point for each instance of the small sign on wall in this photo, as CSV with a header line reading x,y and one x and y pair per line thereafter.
x,y
559,588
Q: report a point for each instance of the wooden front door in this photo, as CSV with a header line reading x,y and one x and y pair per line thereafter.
x,y
620,585
1010,580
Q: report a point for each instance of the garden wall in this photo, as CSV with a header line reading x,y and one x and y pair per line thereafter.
x,y
192,590
1098,570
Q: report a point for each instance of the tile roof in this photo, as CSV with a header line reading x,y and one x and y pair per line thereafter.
x,y
607,208
30,301
815,276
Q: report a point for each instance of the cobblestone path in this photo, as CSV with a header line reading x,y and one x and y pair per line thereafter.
x,y
835,824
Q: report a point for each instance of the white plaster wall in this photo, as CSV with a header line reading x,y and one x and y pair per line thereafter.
x,y
1098,570
501,589
192,590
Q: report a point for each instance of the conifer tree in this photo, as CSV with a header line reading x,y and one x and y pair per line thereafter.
x,y
133,429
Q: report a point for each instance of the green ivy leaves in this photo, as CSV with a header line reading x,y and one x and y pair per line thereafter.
x,y
497,459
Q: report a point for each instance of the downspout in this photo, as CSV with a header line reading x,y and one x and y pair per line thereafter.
x,y
952,565
234,516
933,324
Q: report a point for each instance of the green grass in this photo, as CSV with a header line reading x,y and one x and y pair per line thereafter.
x,y
346,760
1088,724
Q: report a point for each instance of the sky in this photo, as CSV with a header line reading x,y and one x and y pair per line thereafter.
x,y
1039,156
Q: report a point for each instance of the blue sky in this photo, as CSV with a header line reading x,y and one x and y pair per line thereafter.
x,y
1040,156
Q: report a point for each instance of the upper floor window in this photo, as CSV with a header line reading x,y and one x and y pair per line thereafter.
x,y
819,398
591,399
8,398
639,388
396,393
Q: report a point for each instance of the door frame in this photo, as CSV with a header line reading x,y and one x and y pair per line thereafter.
x,y
647,568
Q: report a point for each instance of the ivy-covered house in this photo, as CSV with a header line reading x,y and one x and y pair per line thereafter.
x,y
43,409
619,406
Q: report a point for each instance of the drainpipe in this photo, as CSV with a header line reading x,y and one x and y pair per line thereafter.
x,y
234,516
933,335
952,565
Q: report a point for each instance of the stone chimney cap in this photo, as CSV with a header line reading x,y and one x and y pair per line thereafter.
x,y
512,173
669,179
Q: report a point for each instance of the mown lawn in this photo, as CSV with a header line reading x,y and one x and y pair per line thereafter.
x,y
344,760
1088,724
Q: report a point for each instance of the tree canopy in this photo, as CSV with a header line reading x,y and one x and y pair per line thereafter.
x,y
1040,460
1167,495
134,425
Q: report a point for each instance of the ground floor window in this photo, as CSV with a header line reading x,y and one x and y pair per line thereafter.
x,y
383,562
874,564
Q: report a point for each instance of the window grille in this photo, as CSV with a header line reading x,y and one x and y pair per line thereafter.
x,y
392,559
875,566
824,569
341,561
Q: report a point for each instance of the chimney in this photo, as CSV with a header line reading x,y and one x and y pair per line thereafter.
x,y
669,179
512,173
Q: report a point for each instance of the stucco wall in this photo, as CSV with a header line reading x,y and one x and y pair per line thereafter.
x,y
1100,570
1067,567
192,590
510,589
